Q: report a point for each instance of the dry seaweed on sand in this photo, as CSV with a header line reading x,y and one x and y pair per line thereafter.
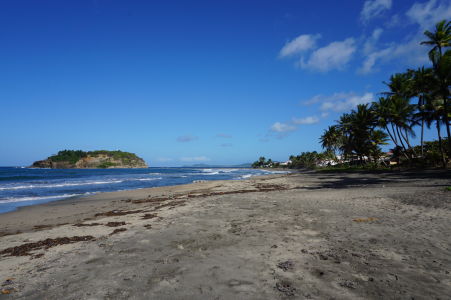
x,y
24,249
115,224
87,224
118,230
149,216
114,213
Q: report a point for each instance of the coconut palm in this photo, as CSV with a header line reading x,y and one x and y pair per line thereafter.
x,y
434,109
422,82
400,110
332,139
440,38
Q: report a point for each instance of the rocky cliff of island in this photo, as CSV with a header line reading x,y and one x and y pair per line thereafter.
x,y
78,159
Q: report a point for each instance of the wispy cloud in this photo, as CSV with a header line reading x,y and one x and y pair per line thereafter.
x,y
186,138
374,8
195,159
306,120
428,13
225,145
334,56
409,51
340,102
281,130
282,127
224,135
299,44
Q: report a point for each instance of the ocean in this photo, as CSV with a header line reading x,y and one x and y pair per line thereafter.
x,y
24,186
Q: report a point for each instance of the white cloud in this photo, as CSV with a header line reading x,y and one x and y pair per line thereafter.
x,y
282,127
194,159
186,138
346,101
374,8
306,120
336,55
428,13
330,98
301,43
409,51
225,145
370,42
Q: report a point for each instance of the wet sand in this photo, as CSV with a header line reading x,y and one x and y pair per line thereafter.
x,y
301,236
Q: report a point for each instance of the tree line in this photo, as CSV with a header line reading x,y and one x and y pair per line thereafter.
x,y
395,115
414,99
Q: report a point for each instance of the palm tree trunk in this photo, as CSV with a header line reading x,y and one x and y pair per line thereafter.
x,y
391,136
406,137
440,144
394,140
400,139
394,133
422,137
445,103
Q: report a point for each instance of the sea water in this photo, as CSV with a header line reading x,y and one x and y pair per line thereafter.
x,y
24,186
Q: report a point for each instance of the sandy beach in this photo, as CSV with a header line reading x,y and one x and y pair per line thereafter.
x,y
307,235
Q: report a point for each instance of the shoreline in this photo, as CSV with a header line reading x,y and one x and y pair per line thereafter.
x,y
301,235
83,193
84,203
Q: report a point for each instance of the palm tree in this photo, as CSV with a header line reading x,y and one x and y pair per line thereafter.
x,y
440,38
400,110
434,108
422,81
332,139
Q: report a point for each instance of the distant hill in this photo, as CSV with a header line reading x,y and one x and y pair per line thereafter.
x,y
246,165
100,159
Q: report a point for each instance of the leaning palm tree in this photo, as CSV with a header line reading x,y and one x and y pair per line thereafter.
x,y
401,87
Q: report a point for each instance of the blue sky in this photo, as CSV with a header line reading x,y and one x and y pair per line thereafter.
x,y
183,82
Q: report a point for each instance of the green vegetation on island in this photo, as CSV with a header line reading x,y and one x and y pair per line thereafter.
x,y
415,98
91,159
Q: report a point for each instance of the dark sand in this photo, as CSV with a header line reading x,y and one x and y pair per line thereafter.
x,y
299,236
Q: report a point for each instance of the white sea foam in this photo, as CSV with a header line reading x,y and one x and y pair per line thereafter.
x,y
276,172
19,187
217,171
23,199
149,179
246,176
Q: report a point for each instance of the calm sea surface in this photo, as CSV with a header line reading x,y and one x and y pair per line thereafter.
x,y
22,186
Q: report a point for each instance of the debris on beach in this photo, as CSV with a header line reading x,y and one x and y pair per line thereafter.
x,y
286,265
118,230
114,213
109,224
149,216
24,249
88,224
286,288
8,291
115,224
40,227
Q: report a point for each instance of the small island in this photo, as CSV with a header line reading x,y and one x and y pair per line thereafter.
x,y
100,159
